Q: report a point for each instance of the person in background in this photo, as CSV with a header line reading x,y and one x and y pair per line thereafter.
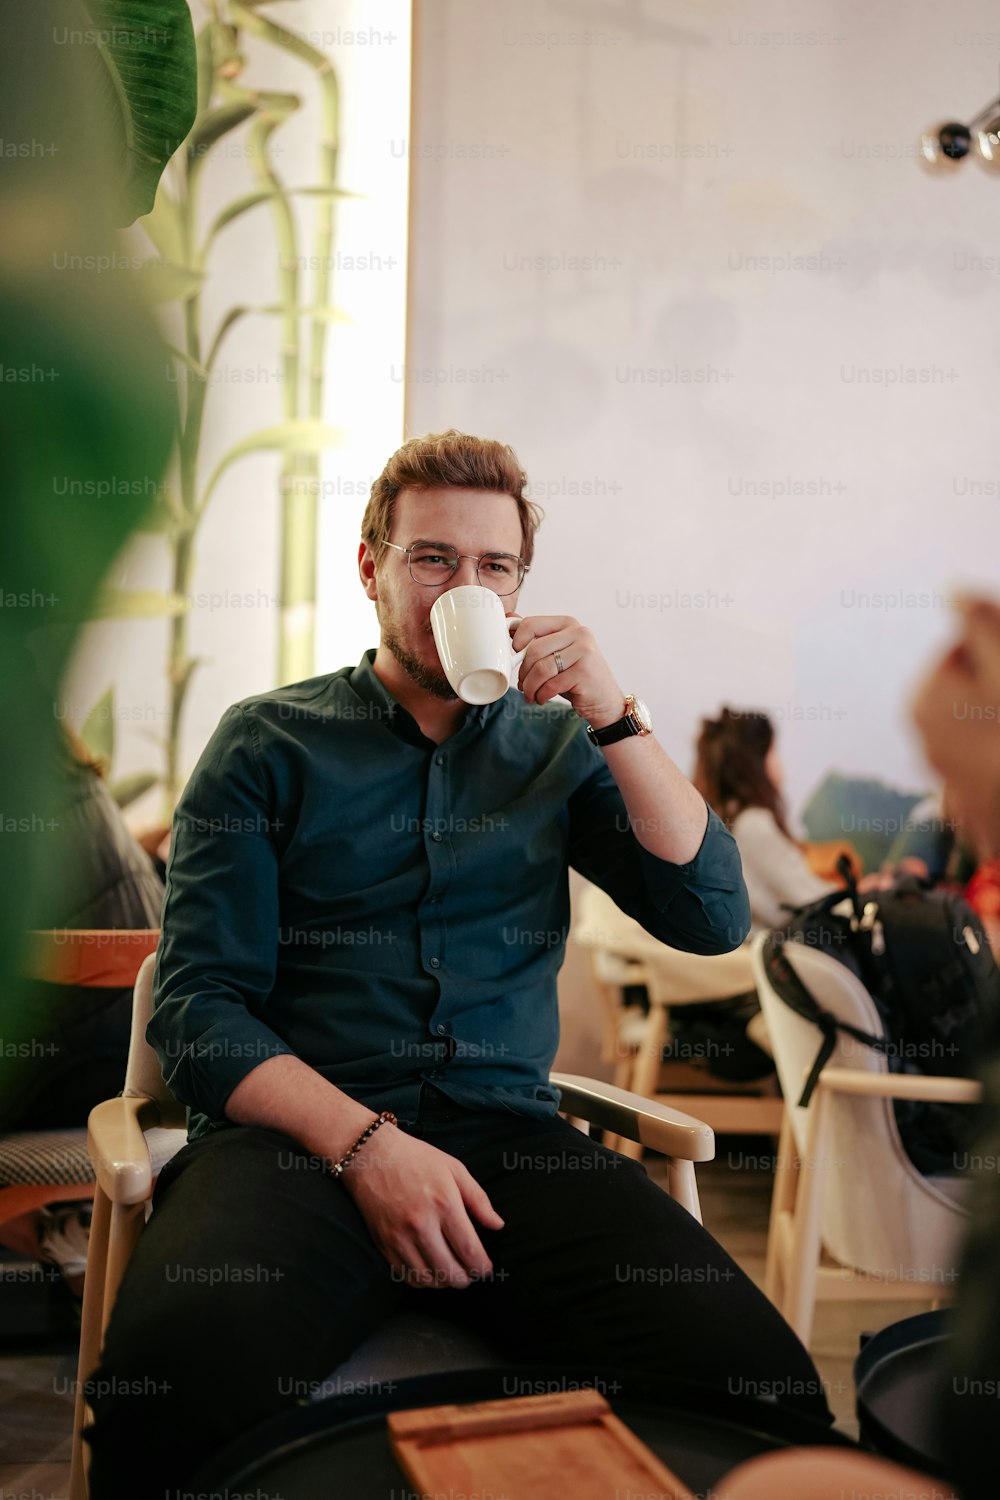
x,y
957,712
100,878
739,775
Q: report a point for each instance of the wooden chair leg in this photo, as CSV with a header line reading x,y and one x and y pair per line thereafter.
x,y
114,1229
803,1259
91,1331
782,1202
127,1220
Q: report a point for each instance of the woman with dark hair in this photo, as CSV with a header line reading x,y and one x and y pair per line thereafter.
x,y
739,775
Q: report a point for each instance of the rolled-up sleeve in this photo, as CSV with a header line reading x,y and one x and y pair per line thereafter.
x,y
216,961
699,907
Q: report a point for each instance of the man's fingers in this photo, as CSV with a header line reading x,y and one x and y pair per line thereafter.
x,y
533,626
477,1201
448,1269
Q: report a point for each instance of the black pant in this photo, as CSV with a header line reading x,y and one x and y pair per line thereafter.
x,y
256,1277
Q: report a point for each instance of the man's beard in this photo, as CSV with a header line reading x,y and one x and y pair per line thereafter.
x,y
425,677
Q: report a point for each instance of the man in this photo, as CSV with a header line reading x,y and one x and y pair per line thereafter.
x,y
366,911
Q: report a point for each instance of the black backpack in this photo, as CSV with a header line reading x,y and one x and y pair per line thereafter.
x,y
924,958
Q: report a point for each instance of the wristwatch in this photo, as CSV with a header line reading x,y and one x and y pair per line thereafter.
x,y
637,720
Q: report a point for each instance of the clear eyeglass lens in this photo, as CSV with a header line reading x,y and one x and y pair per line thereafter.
x,y
435,565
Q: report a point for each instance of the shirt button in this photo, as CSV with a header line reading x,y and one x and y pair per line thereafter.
x,y
435,900
435,963
441,1030
437,837
439,760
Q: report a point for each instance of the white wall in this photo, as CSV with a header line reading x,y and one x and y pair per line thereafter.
x,y
234,617
677,146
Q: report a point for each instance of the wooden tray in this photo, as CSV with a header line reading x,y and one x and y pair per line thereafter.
x,y
529,1448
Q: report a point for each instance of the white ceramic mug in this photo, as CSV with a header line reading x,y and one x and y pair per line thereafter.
x,y
472,636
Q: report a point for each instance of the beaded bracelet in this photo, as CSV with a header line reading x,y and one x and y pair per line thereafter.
x,y
385,1118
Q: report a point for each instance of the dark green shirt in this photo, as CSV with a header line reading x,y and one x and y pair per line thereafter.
x,y
390,910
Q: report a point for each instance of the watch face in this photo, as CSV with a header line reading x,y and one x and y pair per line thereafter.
x,y
643,714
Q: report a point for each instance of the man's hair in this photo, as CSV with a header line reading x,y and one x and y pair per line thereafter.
x,y
455,460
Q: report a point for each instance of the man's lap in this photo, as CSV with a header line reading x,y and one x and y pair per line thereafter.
x,y
594,1262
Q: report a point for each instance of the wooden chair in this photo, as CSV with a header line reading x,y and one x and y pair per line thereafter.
x,y
622,953
119,1142
844,1184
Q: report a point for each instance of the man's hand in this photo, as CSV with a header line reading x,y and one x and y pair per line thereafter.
x,y
585,680
416,1202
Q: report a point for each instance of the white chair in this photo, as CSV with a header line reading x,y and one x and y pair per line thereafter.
x,y
622,953
844,1183
121,1133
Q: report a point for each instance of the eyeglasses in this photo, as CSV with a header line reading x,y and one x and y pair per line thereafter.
x,y
434,563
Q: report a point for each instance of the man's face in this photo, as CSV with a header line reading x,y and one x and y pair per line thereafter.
x,y
471,521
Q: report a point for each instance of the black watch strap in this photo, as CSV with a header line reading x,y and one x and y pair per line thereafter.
x,y
634,721
612,733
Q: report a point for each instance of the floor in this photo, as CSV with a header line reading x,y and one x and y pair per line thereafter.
x,y
37,1379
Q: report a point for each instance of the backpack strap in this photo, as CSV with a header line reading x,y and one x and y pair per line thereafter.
x,y
794,993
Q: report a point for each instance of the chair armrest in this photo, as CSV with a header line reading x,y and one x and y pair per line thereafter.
x,y
117,1147
638,1119
919,1086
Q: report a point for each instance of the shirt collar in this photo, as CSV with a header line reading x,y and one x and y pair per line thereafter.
x,y
366,682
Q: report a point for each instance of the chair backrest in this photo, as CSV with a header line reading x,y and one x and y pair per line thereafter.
x,y
672,976
879,1214
143,1075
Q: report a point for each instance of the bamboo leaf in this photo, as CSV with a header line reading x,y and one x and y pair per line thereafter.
x,y
288,41
296,436
129,789
217,123
234,210
137,604
98,729
162,518
163,225
186,359
147,89
321,314
161,282
242,205
329,192
232,316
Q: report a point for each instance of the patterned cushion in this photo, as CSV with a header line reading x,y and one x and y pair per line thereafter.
x,y
57,1156
34,1156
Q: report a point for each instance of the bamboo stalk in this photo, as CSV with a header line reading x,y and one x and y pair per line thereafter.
x,y
301,472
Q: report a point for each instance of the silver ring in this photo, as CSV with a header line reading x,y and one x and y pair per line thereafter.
x,y
559,662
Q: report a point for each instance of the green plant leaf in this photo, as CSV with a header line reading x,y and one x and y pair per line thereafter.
x,y
128,789
98,729
164,227
287,437
329,192
321,314
145,55
137,604
251,200
214,125
232,316
159,282
186,359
